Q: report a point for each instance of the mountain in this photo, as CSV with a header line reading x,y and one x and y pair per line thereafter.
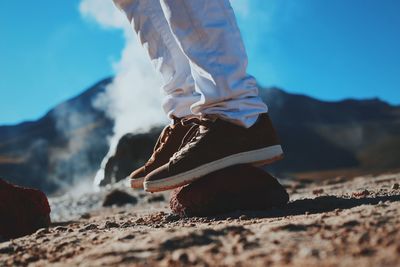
x,y
363,135
64,146
319,138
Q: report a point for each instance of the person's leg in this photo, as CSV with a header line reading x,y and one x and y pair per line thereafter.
x,y
148,21
234,127
209,36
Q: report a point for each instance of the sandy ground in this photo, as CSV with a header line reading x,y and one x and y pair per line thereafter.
x,y
338,222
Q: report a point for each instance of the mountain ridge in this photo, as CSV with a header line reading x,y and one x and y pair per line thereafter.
x,y
68,143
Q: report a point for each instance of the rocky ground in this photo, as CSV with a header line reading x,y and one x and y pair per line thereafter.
x,y
339,222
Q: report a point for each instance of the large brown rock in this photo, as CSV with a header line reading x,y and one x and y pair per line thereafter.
x,y
240,187
22,210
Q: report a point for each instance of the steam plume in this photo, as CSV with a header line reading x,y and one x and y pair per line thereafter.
x,y
133,100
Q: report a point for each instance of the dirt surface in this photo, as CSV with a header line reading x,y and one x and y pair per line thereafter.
x,y
338,223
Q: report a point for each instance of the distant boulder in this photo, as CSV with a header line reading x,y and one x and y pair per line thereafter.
x,y
22,210
118,198
240,187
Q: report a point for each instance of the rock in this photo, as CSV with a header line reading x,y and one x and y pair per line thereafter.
x,y
395,186
156,198
110,224
118,198
89,227
131,152
6,249
243,217
85,216
363,193
22,210
240,187
61,229
42,232
318,191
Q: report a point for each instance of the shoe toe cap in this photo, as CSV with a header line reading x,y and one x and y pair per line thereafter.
x,y
137,177
158,174
139,173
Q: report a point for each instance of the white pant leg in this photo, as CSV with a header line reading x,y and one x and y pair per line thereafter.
x,y
148,21
208,34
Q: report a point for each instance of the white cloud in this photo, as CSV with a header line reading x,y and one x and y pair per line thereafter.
x,y
104,13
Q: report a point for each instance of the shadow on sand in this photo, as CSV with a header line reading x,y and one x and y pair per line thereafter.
x,y
311,206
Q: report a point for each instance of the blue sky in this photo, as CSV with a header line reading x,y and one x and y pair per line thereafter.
x,y
331,50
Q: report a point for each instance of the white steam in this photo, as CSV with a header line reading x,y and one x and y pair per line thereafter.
x,y
133,100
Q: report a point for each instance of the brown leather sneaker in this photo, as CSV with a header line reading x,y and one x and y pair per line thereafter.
x,y
167,144
215,145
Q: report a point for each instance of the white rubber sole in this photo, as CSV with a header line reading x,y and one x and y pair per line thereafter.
x,y
257,157
137,183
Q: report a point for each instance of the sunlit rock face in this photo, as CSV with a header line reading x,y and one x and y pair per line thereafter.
x,y
241,187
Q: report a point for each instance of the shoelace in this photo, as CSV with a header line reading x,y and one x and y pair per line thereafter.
x,y
194,134
161,141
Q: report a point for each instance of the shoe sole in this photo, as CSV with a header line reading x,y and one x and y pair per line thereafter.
x,y
259,157
137,183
